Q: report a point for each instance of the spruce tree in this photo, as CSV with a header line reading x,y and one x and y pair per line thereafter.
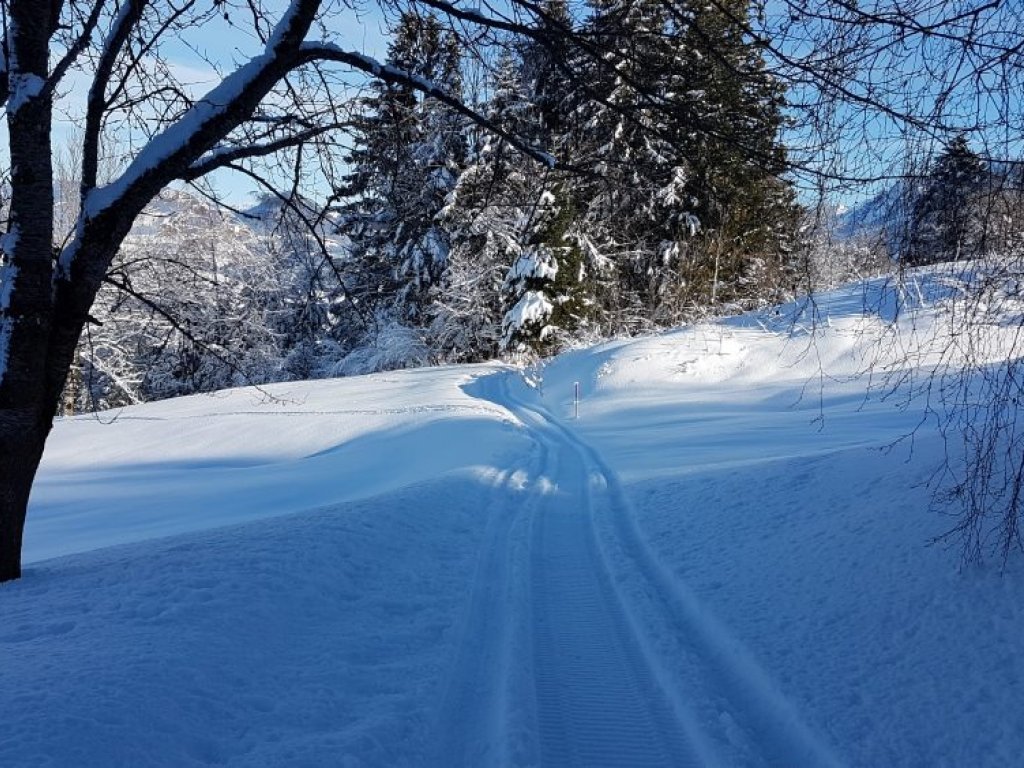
x,y
563,267
943,225
549,290
630,205
545,61
681,129
487,216
513,282
746,208
408,152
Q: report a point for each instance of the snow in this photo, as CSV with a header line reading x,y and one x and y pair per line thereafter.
x,y
6,328
722,561
24,87
536,262
533,307
8,274
203,462
547,158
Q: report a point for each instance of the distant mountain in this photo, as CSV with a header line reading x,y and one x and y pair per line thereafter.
x,y
885,214
267,214
176,211
882,216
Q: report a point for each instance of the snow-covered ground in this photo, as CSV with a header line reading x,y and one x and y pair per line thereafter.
x,y
717,563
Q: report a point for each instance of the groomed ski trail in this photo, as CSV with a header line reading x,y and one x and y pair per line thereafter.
x,y
580,649
479,724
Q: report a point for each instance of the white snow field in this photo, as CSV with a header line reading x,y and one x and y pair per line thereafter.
x,y
716,564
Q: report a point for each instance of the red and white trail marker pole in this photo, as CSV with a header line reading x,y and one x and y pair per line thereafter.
x,y
576,400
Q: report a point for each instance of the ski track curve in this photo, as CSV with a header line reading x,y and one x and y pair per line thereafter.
x,y
487,715
579,648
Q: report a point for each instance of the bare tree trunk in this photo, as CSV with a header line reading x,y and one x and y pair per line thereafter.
x,y
19,456
23,430
27,398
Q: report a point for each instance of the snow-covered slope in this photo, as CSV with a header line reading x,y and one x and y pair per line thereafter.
x,y
207,461
882,215
715,564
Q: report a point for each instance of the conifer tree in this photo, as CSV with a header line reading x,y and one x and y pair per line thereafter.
x,y
486,217
545,60
408,152
632,206
507,287
549,289
559,263
681,130
944,225
747,211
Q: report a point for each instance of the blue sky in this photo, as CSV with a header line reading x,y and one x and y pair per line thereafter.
x,y
228,44
867,143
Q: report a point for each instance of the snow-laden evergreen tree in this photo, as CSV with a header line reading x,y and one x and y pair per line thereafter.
x,y
487,215
550,288
510,286
546,68
634,208
531,287
945,223
408,153
562,265
680,127
746,208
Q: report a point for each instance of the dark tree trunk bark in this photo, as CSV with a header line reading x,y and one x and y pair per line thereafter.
x,y
20,458
26,406
24,428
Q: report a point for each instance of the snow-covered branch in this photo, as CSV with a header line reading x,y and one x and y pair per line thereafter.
x,y
324,51
228,154
169,154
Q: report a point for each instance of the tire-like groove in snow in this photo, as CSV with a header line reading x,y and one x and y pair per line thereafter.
x,y
599,702
483,720
738,689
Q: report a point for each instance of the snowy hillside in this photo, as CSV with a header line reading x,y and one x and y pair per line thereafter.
x,y
881,216
717,563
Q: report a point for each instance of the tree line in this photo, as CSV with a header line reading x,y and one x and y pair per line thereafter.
x,y
664,199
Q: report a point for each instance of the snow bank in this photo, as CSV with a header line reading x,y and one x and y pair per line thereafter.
x,y
206,461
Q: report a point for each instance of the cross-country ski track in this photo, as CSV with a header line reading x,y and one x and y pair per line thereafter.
x,y
580,650
721,561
